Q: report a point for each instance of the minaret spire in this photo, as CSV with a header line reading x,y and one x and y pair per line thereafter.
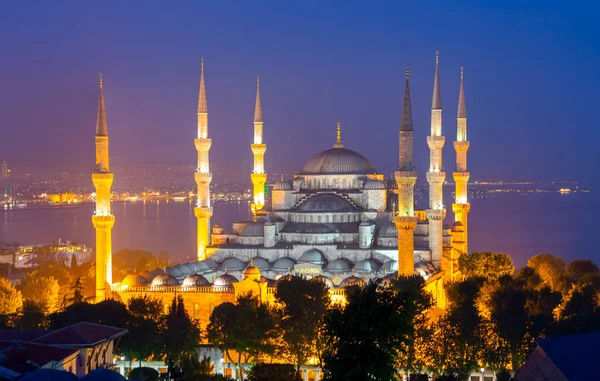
x,y
258,176
436,177
461,206
103,220
203,177
406,177
101,127
338,143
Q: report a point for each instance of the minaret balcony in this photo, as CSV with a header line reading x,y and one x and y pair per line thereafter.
x,y
405,178
102,179
202,145
203,212
461,177
258,149
103,222
202,177
461,208
436,142
461,146
436,177
405,223
436,214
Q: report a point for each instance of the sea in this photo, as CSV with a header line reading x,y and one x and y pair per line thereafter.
x,y
518,224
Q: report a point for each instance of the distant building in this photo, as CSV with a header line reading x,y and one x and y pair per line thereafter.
x,y
78,349
63,251
5,172
564,358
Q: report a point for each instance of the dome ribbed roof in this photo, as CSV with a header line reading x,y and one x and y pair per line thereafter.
x,y
328,282
390,266
374,185
338,161
313,256
252,229
206,265
232,264
389,230
164,280
261,263
367,265
134,280
326,203
282,185
283,264
352,281
195,280
224,280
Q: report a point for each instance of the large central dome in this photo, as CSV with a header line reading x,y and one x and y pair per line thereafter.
x,y
338,161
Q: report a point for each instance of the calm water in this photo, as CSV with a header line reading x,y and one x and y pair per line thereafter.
x,y
520,225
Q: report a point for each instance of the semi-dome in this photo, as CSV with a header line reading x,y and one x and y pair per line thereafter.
x,y
328,282
283,264
184,269
313,256
164,280
175,271
367,265
374,185
352,281
389,230
134,280
232,264
282,185
390,266
339,265
224,280
252,229
195,280
326,203
338,161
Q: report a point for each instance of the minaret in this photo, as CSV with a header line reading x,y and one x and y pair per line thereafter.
x,y
203,177
435,176
258,176
102,219
461,206
406,176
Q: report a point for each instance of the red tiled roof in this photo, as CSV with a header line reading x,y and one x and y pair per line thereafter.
x,y
82,334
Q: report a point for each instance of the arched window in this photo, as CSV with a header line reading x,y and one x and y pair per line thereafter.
x,y
196,312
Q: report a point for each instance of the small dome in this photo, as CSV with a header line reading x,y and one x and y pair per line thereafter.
x,y
164,280
134,280
283,264
313,256
390,277
224,280
252,229
49,374
367,265
195,280
352,281
390,266
389,230
184,269
251,272
374,185
328,282
232,264
205,266
261,263
339,265
338,161
102,374
282,185
326,203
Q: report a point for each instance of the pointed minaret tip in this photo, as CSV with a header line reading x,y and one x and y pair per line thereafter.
x,y
257,107
406,122
202,107
436,102
462,106
101,126
338,143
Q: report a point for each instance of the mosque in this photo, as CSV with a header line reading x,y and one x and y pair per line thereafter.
x,y
337,220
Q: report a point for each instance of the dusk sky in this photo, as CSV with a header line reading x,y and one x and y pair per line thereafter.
x,y
531,81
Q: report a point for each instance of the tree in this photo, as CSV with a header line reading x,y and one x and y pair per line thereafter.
x,y
582,301
274,372
40,291
549,268
127,260
77,293
364,337
11,299
411,358
486,265
582,271
302,305
180,335
108,312
247,327
457,342
145,322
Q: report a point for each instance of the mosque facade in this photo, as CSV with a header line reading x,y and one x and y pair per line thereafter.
x,y
338,219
